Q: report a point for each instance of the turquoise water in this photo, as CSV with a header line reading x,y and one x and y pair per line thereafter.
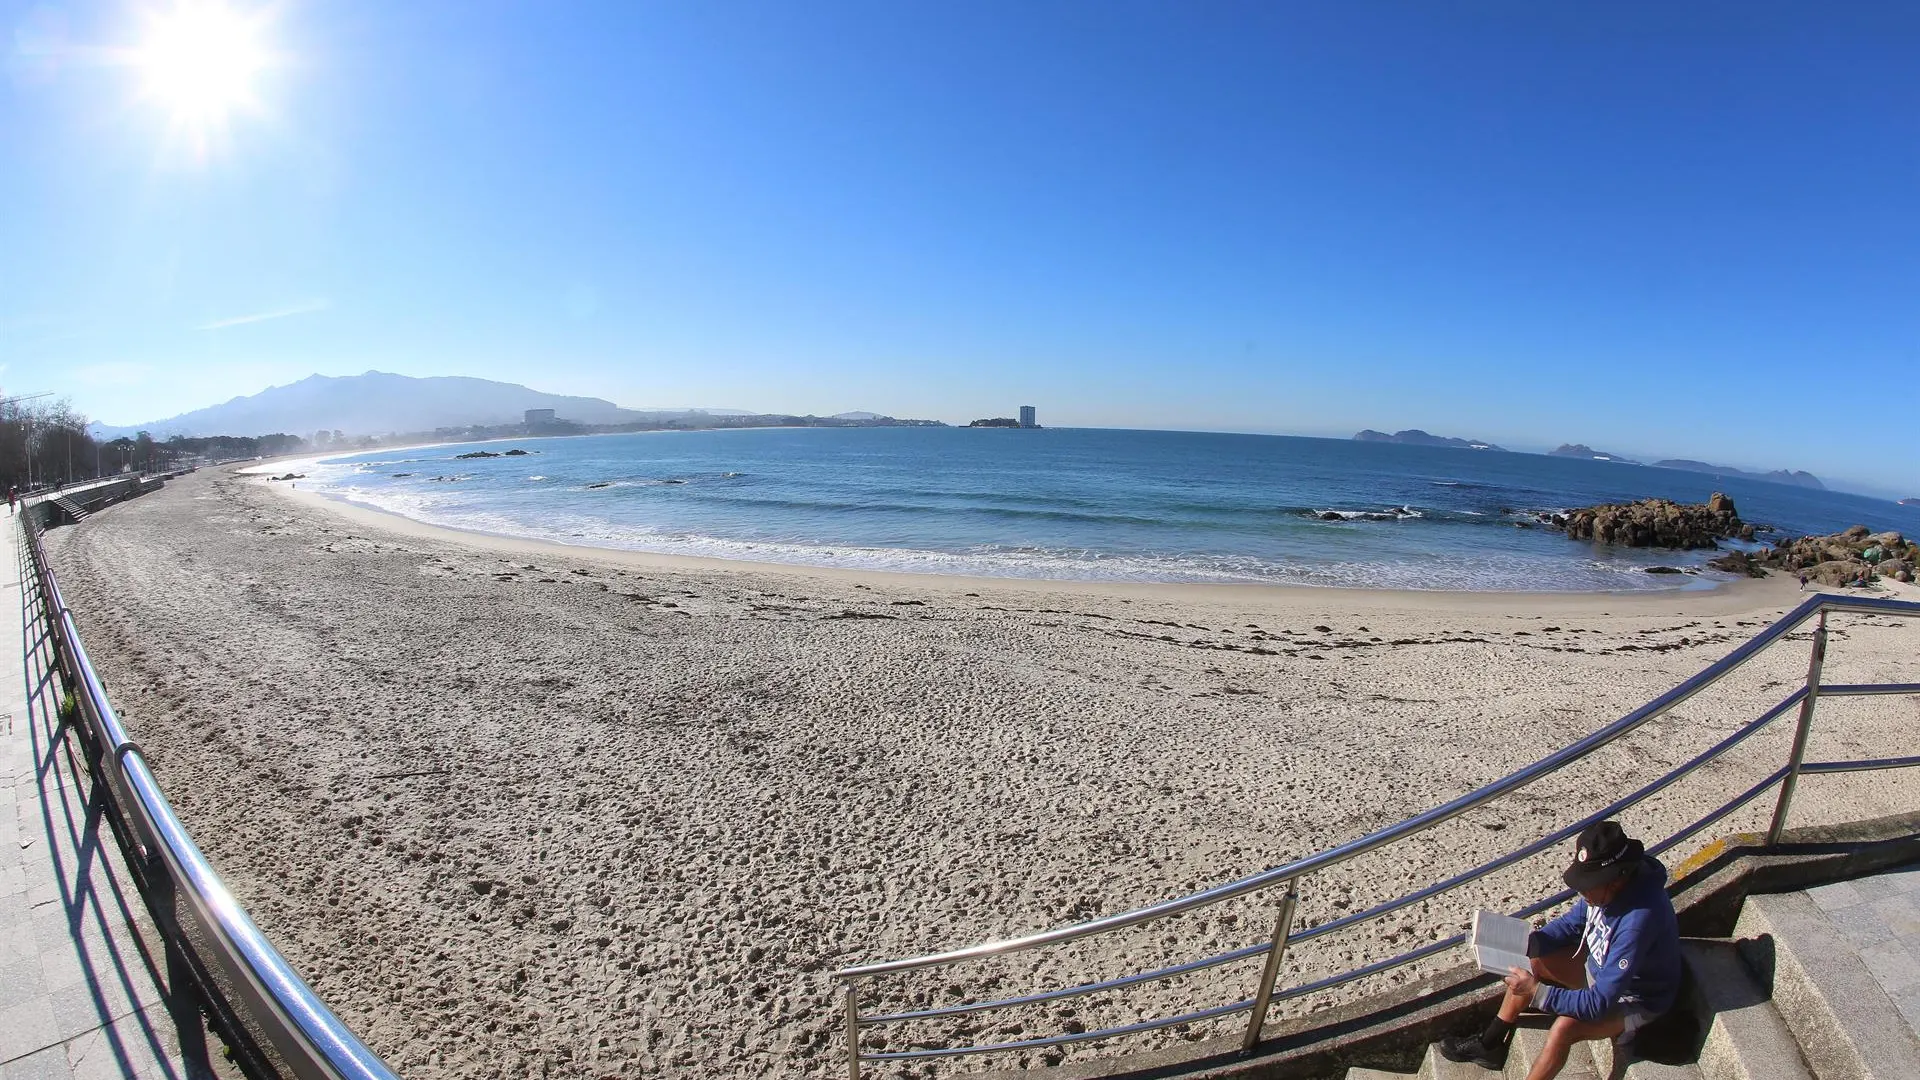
x,y
1073,504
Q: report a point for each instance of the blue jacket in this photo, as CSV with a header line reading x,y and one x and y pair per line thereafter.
x,y
1632,950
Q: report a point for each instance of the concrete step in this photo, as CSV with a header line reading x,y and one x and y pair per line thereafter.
x,y
1612,1064
1530,1039
1436,1067
1357,1073
1746,1039
1846,1026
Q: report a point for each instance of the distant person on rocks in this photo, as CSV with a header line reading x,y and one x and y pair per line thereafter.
x,y
1605,969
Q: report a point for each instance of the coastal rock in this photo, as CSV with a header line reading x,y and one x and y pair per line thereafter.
x,y
1834,572
476,454
1738,562
1658,523
1841,558
515,453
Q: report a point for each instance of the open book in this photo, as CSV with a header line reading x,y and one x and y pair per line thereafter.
x,y
1499,942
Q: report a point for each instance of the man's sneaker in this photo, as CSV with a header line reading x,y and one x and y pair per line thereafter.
x,y
1470,1048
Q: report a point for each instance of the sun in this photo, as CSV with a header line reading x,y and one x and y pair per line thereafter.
x,y
201,61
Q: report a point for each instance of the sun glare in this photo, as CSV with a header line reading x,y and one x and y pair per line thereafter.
x,y
201,61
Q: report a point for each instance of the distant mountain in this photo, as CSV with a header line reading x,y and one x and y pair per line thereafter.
x,y
1416,437
1582,450
377,403
1779,476
857,416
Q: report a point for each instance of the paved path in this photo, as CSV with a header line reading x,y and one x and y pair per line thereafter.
x,y
84,979
1880,917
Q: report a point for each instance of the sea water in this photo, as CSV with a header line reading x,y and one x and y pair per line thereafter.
x,y
1080,504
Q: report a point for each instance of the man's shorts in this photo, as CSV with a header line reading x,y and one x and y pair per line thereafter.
x,y
1634,1018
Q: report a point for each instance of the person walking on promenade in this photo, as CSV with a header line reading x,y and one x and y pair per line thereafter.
x,y
13,496
1605,969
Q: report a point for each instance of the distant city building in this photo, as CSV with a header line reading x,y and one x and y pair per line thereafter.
x,y
1026,417
537,417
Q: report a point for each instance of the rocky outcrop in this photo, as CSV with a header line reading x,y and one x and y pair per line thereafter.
x,y
1843,558
476,454
1656,523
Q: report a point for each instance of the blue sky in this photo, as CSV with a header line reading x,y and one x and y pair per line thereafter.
x,y
1685,230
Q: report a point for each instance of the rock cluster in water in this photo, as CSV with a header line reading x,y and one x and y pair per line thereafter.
x,y
1656,523
1850,557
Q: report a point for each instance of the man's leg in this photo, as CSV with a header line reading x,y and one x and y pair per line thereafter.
x,y
1489,1049
1560,969
1562,1035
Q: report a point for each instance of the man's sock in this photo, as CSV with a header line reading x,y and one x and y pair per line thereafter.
x,y
1497,1034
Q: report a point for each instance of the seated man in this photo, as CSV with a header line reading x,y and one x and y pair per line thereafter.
x,y
1623,926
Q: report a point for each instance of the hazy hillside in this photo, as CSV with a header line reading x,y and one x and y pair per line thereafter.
x,y
377,403
1796,477
1416,437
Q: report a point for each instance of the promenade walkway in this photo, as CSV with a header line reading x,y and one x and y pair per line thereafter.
x,y
86,984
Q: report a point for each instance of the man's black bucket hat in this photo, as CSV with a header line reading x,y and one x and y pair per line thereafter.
x,y
1606,852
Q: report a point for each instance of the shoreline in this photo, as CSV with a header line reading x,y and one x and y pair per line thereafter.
x,y
584,813
1728,598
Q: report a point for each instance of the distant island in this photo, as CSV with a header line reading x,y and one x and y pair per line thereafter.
x,y
1416,437
1795,477
1582,450
998,421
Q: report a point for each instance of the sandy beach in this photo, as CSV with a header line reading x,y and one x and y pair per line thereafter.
x,y
519,809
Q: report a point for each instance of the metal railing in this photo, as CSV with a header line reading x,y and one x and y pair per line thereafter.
x,y
283,1026
1288,877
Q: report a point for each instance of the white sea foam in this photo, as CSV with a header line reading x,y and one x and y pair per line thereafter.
x,y
1485,572
1399,513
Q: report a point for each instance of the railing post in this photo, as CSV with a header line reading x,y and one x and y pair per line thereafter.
x,y
1800,733
853,1029
1263,997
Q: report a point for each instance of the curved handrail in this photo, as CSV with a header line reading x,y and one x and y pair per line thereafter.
x,y
1287,876
315,1042
1407,827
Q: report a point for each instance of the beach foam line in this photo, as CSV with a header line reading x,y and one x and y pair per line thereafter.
x,y
1483,573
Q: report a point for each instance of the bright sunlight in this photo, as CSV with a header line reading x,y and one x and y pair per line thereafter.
x,y
201,60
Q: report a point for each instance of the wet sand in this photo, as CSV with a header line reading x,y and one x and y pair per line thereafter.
x,y
519,809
